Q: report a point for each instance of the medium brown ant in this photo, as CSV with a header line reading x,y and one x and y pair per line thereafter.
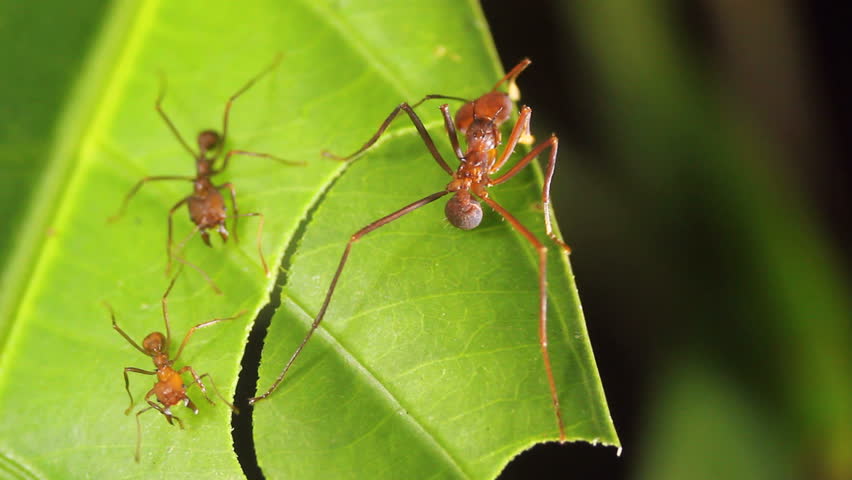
x,y
169,388
206,204
479,121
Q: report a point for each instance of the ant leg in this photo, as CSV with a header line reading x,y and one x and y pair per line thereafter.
x,y
236,215
260,223
542,305
522,126
239,92
201,272
255,154
187,238
200,326
151,406
216,391
553,144
418,124
165,303
169,239
434,96
128,369
190,405
196,380
136,188
511,77
168,121
212,385
127,383
195,267
168,414
517,133
139,433
450,126
354,238
122,332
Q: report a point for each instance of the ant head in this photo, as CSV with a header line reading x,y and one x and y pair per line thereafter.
x,y
463,211
154,343
495,107
464,117
208,140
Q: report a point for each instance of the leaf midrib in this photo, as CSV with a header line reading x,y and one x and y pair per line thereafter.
x,y
392,399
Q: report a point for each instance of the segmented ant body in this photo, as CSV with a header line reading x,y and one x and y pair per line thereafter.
x,y
479,121
206,204
169,389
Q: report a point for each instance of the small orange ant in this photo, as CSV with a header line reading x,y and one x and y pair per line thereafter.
x,y
479,121
206,204
169,388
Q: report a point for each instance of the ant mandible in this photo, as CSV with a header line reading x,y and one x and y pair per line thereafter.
x,y
169,388
479,121
206,204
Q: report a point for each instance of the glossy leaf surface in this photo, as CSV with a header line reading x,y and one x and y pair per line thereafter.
x,y
430,357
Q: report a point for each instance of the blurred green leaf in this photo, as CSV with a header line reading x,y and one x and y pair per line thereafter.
x,y
46,65
441,360
730,434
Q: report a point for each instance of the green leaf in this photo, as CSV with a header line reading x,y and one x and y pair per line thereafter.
x,y
700,416
430,352
429,357
33,92
429,361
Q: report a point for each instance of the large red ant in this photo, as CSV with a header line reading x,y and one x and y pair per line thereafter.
x,y
169,388
206,204
479,120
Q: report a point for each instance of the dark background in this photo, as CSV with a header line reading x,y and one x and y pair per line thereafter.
x,y
703,185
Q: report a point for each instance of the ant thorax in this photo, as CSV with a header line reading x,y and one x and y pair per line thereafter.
x,y
170,388
203,187
473,171
482,135
204,167
161,361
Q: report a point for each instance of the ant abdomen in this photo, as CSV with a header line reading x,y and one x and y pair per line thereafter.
x,y
463,211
